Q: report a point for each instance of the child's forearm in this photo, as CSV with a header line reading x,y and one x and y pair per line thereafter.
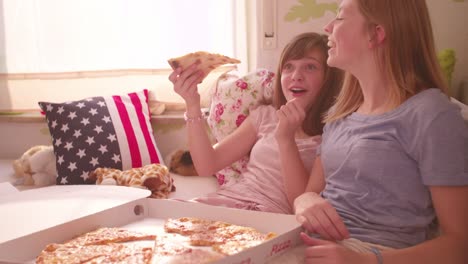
x,y
443,249
295,175
199,144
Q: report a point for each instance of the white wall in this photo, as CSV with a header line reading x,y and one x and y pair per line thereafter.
x,y
450,24
286,30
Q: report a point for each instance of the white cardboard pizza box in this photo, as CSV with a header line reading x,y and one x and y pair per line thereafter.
x,y
32,219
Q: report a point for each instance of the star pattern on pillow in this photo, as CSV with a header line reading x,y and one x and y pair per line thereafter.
x,y
112,132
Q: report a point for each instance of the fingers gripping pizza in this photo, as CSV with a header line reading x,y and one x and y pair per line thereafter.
x,y
208,61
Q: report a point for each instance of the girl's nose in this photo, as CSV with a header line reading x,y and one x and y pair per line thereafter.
x,y
329,27
297,74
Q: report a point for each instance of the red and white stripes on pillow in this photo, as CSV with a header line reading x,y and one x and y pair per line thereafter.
x,y
110,131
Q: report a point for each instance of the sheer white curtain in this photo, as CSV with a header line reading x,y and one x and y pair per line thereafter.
x,y
42,36
59,50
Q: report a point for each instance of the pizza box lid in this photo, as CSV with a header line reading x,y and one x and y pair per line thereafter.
x,y
30,211
113,206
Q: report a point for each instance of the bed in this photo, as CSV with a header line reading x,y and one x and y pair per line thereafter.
x,y
187,187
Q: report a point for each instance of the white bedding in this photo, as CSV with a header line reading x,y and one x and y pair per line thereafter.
x,y
7,175
187,187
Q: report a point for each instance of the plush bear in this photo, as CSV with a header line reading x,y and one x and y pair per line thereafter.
x,y
180,162
154,177
156,107
36,166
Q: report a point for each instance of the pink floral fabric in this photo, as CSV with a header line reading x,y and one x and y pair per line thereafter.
x,y
231,103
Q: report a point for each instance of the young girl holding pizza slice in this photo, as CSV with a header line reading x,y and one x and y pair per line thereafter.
x,y
281,138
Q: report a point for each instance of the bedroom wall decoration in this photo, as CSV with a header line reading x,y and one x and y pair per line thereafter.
x,y
309,9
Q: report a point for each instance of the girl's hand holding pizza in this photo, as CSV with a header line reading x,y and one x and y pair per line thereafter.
x,y
185,83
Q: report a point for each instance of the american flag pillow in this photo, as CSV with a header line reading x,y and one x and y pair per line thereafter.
x,y
112,132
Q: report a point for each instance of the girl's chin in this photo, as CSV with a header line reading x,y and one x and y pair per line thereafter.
x,y
331,61
294,96
302,100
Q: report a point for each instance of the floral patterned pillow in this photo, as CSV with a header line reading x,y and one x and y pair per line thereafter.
x,y
231,103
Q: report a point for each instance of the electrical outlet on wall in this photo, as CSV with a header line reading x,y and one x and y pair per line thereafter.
x,y
269,26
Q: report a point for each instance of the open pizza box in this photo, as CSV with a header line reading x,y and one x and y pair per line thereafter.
x,y
32,219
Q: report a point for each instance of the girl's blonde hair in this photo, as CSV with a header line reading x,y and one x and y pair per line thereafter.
x,y
298,48
407,58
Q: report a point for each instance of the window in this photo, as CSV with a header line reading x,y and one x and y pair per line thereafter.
x,y
66,49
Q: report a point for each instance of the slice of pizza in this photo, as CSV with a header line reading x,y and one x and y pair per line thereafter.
x,y
219,235
223,237
169,245
100,246
127,254
208,61
60,253
173,248
191,225
226,234
241,242
105,235
109,253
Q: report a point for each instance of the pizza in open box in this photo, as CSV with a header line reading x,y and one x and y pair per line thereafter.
x,y
184,240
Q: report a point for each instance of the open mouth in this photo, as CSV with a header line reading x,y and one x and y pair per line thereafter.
x,y
297,90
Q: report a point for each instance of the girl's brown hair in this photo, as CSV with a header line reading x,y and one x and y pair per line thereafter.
x,y
407,58
298,48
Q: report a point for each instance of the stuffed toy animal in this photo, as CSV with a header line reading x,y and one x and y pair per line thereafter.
x,y
181,163
154,177
156,107
36,166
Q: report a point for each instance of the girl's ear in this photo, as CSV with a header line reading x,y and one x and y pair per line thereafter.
x,y
380,34
377,36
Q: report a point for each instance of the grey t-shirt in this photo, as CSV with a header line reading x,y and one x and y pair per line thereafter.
x,y
378,168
